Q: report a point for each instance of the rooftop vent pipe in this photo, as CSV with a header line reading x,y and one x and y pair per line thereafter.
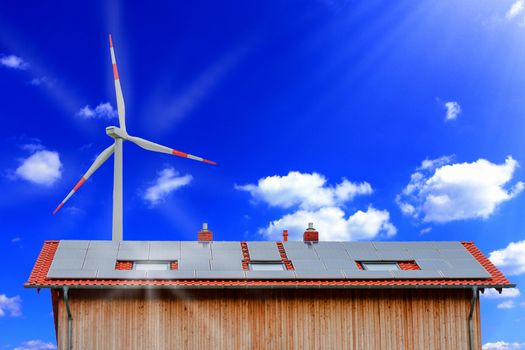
x,y
311,234
204,234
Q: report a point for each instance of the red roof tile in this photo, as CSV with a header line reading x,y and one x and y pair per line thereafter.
x,y
38,278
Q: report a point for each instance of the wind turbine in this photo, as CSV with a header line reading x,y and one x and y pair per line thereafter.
x,y
119,134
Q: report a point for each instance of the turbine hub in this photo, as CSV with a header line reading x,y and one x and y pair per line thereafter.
x,y
116,133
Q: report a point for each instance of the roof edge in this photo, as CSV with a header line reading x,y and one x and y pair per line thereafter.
x,y
271,285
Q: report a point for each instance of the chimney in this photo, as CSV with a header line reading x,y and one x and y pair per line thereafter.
x,y
311,234
285,235
204,234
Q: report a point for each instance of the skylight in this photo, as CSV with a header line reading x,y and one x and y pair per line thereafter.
x,y
380,266
151,266
267,266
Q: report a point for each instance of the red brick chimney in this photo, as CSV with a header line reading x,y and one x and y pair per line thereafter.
x,y
285,235
311,234
204,234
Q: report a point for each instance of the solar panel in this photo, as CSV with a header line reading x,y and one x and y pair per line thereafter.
x,y
300,250
455,253
164,255
164,250
104,244
134,245
334,274
132,255
226,264
464,263
358,245
432,264
425,253
223,260
308,265
338,264
198,250
191,245
94,254
222,274
227,255
73,244
416,245
417,274
334,250
71,263
394,255
465,273
193,264
218,245
263,251
64,253
297,245
95,264
171,274
121,274
363,254
448,245
301,255
367,274
158,246
270,274
71,273
391,245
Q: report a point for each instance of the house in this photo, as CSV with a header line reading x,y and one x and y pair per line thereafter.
x,y
306,294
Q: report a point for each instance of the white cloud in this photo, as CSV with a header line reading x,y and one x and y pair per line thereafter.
x,y
12,61
16,240
35,345
503,345
308,191
425,230
507,304
436,163
313,200
510,259
44,80
453,110
333,224
516,8
167,182
10,306
491,293
42,168
32,147
440,192
102,111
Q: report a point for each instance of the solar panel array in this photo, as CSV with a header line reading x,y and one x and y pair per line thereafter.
x,y
223,260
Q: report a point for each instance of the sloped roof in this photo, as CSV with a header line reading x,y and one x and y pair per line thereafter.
x,y
92,264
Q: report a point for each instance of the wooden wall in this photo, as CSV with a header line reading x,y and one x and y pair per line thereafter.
x,y
269,319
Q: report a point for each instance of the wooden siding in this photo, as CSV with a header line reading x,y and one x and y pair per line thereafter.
x,y
269,319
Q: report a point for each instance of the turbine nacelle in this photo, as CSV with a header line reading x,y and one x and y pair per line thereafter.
x,y
116,132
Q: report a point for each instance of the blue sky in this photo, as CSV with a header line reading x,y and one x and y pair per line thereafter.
x,y
385,121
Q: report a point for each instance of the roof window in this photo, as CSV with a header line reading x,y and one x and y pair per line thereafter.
x,y
266,266
379,265
151,266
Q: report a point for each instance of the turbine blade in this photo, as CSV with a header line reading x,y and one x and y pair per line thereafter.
x,y
118,89
155,147
102,157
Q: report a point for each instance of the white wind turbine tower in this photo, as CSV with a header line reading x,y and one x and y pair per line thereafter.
x,y
119,134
